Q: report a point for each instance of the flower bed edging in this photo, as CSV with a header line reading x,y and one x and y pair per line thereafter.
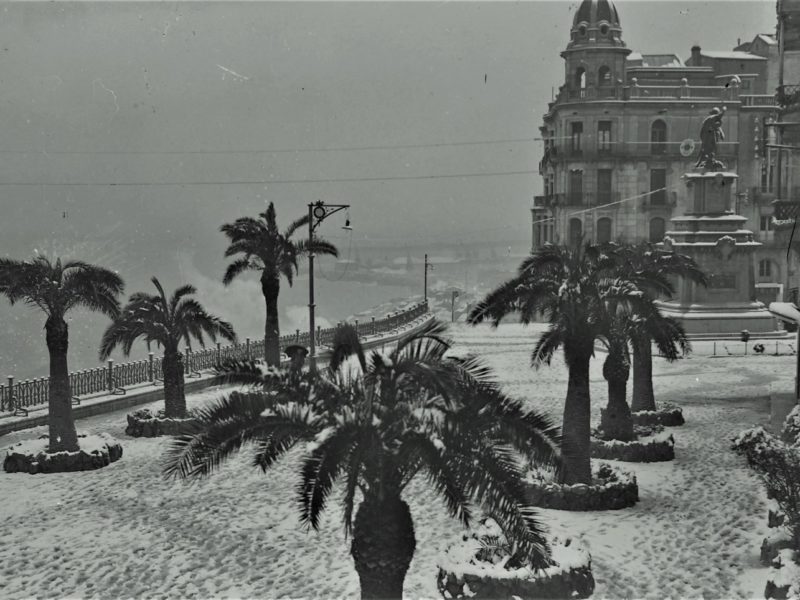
x,y
462,574
668,416
143,423
31,456
614,490
658,448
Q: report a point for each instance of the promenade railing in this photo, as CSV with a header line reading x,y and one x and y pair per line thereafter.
x,y
114,378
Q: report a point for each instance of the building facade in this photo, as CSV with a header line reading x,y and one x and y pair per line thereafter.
x,y
624,129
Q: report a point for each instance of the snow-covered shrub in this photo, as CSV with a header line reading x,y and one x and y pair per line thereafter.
x,y
791,427
147,423
484,565
783,580
778,466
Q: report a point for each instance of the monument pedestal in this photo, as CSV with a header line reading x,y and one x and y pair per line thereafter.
x,y
716,239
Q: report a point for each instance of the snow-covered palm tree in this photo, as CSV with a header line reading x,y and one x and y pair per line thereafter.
x,y
375,423
167,322
56,288
265,248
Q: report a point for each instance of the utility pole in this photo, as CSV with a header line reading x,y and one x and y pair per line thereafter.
x,y
427,267
453,297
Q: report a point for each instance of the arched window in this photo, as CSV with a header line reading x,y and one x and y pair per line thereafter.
x,y
604,76
658,137
603,230
580,78
575,232
656,230
765,268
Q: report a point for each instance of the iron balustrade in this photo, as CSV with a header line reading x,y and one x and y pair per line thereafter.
x,y
114,377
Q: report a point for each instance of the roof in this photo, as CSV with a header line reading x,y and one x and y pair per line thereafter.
x,y
768,38
732,54
594,11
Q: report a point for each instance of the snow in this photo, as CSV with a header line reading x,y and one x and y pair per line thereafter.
x,y
788,574
662,437
88,443
122,531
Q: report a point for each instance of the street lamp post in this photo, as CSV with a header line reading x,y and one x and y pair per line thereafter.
x,y
428,267
317,212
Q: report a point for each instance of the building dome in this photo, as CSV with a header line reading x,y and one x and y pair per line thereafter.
x,y
596,23
592,12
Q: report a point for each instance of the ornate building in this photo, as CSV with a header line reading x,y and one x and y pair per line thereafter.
x,y
621,133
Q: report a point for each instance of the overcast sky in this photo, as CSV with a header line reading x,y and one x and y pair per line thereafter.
x,y
153,93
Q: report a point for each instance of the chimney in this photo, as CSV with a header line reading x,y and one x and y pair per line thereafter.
x,y
696,59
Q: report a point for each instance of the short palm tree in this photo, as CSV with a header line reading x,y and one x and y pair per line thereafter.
x,y
645,262
570,286
261,246
56,288
375,422
637,318
167,322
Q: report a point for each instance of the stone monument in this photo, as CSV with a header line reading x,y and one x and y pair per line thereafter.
x,y
716,238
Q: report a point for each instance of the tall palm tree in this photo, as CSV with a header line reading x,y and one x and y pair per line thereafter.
x,y
375,422
56,288
645,262
571,287
263,247
167,322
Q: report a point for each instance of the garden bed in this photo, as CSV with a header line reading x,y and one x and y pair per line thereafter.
x,y
611,489
31,456
483,567
659,447
145,423
667,416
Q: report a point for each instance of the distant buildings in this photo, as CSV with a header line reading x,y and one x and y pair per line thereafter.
x,y
624,128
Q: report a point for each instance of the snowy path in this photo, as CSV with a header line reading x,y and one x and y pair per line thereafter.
x,y
123,532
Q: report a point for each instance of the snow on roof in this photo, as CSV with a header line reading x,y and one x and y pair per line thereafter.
x,y
768,38
732,54
661,60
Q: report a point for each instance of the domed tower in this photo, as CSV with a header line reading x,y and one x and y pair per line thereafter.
x,y
595,54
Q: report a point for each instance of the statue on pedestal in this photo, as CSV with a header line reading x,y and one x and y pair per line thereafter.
x,y
711,133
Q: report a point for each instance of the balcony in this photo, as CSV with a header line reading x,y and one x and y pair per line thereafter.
x,y
788,95
634,91
639,150
583,200
785,212
759,100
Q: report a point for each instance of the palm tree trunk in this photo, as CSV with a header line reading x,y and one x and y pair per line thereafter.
x,y
174,395
643,398
63,437
271,287
383,546
576,427
616,420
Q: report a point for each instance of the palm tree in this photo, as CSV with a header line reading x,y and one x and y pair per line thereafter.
x,y
167,322
56,288
375,422
637,318
571,287
266,249
646,262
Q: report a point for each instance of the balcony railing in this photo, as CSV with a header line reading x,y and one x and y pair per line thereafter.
x,y
759,100
671,150
788,95
113,378
580,199
634,91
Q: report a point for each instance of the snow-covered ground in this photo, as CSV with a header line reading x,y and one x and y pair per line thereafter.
x,y
124,532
